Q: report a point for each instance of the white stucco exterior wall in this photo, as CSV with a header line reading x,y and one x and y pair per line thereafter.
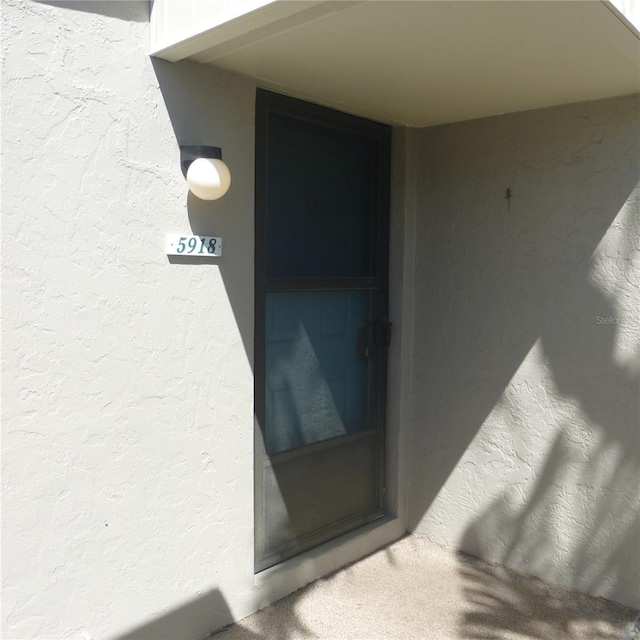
x,y
127,383
526,434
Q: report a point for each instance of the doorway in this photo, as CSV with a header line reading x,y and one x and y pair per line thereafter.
x,y
321,326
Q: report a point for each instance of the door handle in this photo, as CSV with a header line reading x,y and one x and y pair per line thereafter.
x,y
372,334
363,340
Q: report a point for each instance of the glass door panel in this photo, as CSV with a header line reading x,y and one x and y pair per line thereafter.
x,y
318,378
321,305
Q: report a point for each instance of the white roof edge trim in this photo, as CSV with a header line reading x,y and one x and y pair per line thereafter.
x,y
631,20
217,31
315,12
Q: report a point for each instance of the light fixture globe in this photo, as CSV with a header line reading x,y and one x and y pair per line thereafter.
x,y
208,178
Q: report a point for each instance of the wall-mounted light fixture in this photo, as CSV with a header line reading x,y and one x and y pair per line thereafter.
x,y
207,176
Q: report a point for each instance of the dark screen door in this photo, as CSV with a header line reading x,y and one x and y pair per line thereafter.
x,y
321,333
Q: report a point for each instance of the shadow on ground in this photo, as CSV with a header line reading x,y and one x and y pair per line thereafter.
x,y
416,590
500,604
281,621
208,611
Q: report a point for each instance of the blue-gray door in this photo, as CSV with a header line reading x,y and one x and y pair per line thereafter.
x,y
322,191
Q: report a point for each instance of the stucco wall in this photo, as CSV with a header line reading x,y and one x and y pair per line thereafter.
x,y
127,384
526,435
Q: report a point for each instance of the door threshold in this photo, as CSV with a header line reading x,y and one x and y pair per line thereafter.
x,y
294,573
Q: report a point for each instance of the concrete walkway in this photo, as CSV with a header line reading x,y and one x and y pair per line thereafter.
x,y
415,590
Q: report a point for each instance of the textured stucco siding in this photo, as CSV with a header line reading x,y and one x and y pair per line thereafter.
x,y
526,434
127,385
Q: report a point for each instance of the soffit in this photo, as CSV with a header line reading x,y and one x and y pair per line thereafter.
x,y
425,63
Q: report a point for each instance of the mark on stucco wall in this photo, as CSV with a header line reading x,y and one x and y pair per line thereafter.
x,y
508,196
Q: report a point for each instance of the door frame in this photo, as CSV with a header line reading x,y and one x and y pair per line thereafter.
x,y
269,102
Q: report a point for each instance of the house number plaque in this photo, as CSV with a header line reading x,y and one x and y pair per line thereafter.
x,y
203,246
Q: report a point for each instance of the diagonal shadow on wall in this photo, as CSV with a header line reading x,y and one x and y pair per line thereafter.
x,y
495,278
527,441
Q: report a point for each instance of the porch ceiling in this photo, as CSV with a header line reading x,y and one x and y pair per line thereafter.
x,y
425,63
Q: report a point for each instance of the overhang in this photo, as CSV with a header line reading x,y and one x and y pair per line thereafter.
x,y
418,63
